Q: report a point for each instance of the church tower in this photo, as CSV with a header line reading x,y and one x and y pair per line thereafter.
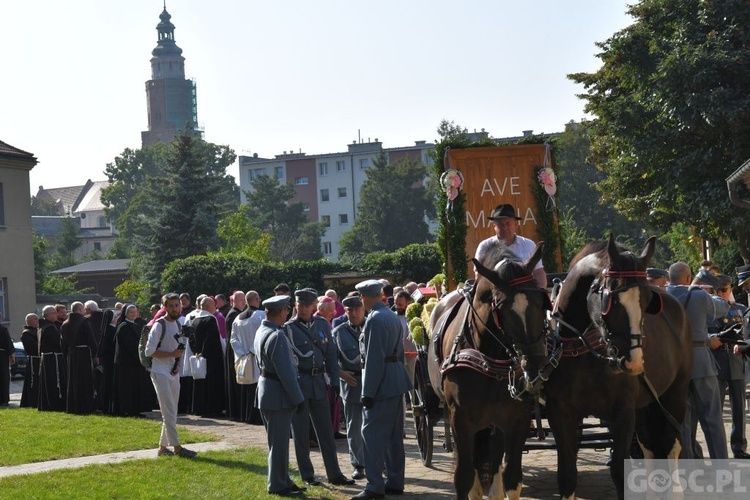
x,y
171,98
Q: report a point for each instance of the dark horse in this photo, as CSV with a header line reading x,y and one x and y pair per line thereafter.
x,y
627,356
482,349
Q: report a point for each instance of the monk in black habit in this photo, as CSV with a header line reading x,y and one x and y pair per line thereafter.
x,y
52,370
7,358
208,393
79,347
30,341
131,395
106,355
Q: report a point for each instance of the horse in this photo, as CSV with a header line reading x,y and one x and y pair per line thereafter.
x,y
627,357
485,355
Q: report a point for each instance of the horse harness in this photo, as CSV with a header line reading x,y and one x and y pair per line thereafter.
x,y
508,370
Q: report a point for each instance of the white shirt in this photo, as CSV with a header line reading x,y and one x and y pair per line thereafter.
x,y
522,247
168,344
243,336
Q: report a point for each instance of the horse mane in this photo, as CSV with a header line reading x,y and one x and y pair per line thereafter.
x,y
494,253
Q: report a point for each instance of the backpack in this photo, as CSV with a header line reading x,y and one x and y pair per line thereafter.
x,y
147,361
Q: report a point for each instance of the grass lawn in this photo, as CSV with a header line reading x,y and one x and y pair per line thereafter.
x,y
28,435
212,474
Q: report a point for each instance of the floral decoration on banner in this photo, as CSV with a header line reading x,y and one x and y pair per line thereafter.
x,y
452,181
548,180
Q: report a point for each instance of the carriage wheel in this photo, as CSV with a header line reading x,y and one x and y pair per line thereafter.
x,y
424,424
422,420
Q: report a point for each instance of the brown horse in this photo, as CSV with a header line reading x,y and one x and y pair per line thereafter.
x,y
627,357
484,351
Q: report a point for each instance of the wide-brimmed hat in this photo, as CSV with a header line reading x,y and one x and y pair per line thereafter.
x,y
504,211
743,274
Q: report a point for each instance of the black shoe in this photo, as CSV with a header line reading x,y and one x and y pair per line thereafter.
x,y
359,473
394,492
365,495
287,492
741,454
341,481
312,481
294,487
338,435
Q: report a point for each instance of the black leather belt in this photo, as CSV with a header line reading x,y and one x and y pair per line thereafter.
x,y
270,375
313,371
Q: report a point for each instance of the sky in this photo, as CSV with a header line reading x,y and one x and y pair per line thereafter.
x,y
282,75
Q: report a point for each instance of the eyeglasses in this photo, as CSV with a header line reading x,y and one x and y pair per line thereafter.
x,y
170,296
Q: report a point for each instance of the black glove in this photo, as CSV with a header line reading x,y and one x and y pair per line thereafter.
x,y
300,408
368,402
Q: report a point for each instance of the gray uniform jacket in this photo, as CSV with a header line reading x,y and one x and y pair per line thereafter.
x,y
702,309
316,354
276,359
731,367
383,375
346,336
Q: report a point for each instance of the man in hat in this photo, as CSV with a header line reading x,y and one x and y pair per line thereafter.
x,y
704,397
657,277
279,394
346,336
310,338
384,382
731,367
505,223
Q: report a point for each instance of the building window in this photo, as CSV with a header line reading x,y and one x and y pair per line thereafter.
x,y
305,207
324,196
327,249
2,206
323,168
326,220
279,173
4,299
301,181
340,166
97,246
342,192
343,219
102,221
253,174
364,163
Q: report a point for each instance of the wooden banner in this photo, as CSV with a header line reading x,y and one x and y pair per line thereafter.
x,y
495,175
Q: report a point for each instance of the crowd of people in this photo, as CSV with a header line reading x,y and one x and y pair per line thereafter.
x,y
87,361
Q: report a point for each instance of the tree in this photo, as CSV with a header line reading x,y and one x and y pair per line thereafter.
x,y
672,114
45,283
182,206
579,199
126,198
392,208
66,244
44,206
270,209
239,236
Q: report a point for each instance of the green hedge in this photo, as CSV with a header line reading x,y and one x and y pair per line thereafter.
x,y
222,273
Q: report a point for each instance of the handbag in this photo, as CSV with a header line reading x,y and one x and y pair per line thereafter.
x,y
198,367
243,366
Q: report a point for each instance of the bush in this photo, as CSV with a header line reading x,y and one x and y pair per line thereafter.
x,y
416,262
222,273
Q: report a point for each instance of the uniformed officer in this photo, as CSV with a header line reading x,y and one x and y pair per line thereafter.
x,y
278,393
704,399
384,382
313,347
731,369
346,336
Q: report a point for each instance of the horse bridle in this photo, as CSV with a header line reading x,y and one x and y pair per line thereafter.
x,y
552,358
607,297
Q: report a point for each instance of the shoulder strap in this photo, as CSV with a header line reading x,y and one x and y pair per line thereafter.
x,y
163,330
